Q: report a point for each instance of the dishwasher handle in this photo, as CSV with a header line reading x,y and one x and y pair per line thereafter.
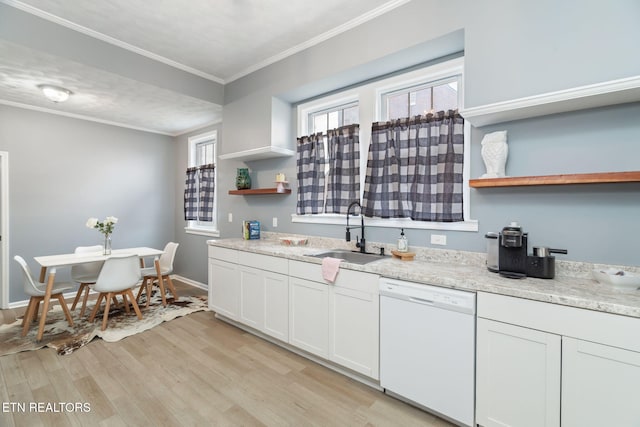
x,y
421,300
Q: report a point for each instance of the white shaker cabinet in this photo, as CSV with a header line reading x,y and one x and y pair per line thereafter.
x,y
354,331
264,294
224,294
542,364
254,292
600,385
337,321
518,376
309,316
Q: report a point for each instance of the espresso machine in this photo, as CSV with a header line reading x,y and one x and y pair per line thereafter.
x,y
512,252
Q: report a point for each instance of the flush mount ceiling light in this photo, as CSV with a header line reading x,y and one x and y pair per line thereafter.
x,y
55,93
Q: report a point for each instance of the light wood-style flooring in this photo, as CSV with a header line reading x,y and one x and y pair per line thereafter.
x,y
192,371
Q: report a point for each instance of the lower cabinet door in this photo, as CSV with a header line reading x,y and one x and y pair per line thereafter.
x,y
251,297
309,316
354,330
600,385
517,376
276,305
224,289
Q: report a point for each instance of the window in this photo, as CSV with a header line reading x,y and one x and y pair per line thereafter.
x,y
202,151
333,117
420,100
430,89
330,124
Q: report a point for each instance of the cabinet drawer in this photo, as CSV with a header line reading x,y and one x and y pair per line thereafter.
x,y
358,280
224,254
604,328
265,262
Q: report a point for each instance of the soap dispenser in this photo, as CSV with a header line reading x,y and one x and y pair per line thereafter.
x,y
403,243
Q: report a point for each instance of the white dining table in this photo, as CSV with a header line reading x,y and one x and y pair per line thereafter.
x,y
68,260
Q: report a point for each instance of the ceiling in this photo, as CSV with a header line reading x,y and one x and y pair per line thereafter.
x,y
211,41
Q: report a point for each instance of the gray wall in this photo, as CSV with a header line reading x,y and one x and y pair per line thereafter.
x,y
64,170
512,50
191,257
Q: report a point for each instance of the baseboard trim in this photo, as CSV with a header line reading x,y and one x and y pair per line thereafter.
x,y
190,282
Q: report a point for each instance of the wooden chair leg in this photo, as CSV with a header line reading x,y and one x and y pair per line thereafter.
x,y
163,294
105,316
67,313
81,289
149,292
134,304
26,321
84,302
143,286
36,311
171,288
97,307
126,303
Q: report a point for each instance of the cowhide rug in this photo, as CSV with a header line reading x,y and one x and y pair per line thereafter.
x,y
66,339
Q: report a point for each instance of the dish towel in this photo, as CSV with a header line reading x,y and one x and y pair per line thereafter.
x,y
330,267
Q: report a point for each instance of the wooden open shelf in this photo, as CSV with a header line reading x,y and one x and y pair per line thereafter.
x,y
580,178
256,191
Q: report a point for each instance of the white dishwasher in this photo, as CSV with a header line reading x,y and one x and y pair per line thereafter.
x,y
427,347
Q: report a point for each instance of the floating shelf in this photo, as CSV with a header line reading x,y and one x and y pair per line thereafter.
x,y
612,92
580,178
257,191
268,152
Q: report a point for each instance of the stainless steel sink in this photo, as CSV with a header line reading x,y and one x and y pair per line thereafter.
x,y
349,256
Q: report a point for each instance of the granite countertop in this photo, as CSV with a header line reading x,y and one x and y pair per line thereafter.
x,y
572,286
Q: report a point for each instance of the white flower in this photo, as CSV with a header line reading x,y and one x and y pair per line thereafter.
x,y
111,220
92,222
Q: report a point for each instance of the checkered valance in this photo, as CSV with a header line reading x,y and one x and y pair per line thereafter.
x,y
199,193
344,168
311,163
414,168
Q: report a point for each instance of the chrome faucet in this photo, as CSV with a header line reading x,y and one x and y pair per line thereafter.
x,y
360,243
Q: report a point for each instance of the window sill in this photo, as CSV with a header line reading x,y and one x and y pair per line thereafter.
x,y
335,219
202,231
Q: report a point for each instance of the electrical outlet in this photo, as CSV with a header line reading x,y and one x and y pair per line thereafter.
x,y
230,218
275,221
439,239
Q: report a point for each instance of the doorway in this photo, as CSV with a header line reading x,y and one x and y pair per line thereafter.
x,y
4,229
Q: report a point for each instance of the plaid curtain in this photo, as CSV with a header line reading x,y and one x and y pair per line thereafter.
x,y
344,168
206,174
414,168
191,195
310,174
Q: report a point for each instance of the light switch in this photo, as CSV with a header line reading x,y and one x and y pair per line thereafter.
x,y
230,217
275,221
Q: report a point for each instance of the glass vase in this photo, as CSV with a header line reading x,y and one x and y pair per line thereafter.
x,y
243,180
106,250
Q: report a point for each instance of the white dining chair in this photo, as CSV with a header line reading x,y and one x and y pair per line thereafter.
x,y
86,275
36,292
150,275
117,277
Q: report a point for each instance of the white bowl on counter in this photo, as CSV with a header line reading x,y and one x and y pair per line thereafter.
x,y
617,278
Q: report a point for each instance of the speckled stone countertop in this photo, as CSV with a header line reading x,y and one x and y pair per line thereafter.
x,y
572,286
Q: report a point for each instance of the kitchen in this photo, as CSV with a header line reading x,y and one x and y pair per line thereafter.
x,y
511,51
